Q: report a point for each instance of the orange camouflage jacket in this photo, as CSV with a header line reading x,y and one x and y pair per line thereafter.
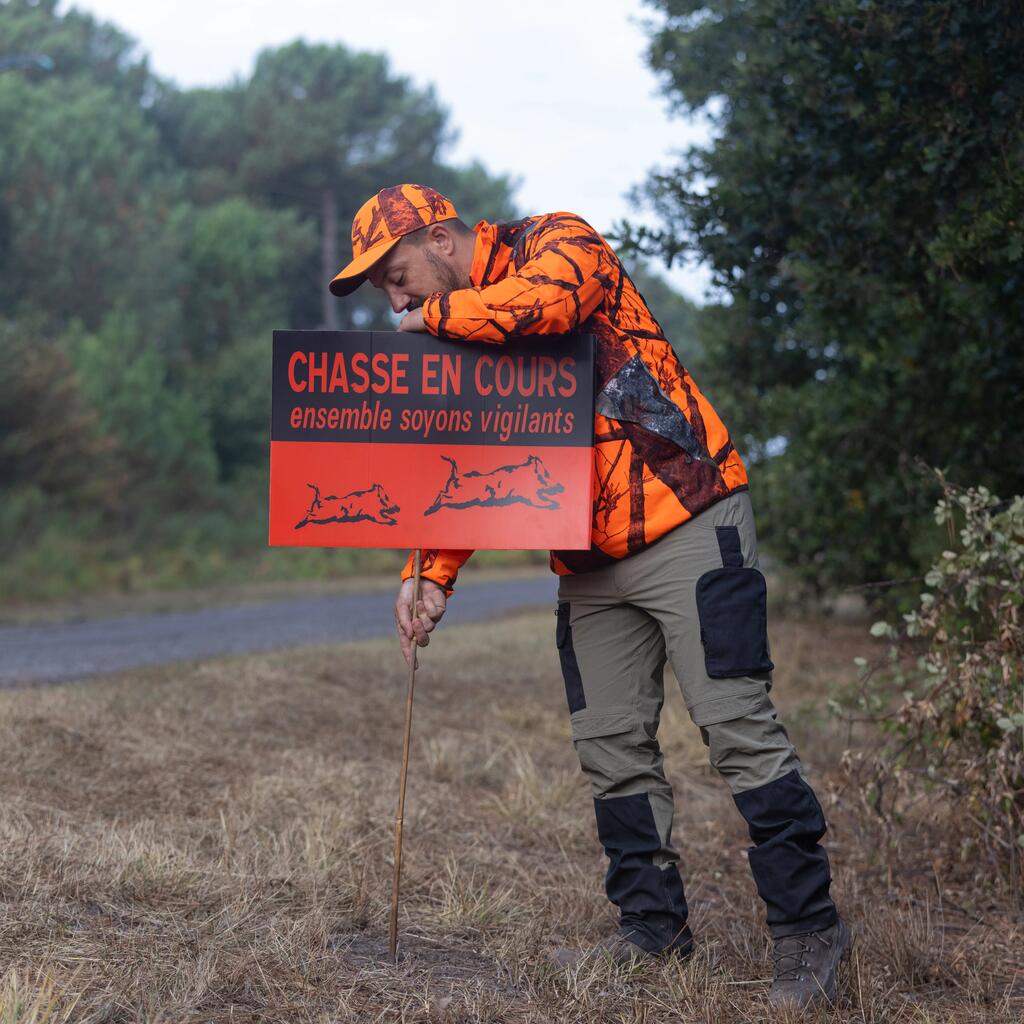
x,y
661,454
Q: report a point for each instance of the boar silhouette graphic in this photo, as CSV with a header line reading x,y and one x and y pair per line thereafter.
x,y
370,506
527,483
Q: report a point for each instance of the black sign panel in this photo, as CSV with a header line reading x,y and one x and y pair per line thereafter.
x,y
408,388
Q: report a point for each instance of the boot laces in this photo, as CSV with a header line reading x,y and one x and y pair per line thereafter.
x,y
787,949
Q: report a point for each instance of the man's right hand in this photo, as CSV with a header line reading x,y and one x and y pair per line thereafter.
x,y
414,628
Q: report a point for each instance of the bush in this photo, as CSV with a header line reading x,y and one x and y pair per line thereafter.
x,y
956,661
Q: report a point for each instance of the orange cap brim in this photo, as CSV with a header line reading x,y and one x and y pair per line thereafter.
x,y
349,278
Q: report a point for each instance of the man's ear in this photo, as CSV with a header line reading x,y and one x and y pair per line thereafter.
x,y
442,239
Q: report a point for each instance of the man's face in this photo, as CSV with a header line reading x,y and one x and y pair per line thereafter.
x,y
411,272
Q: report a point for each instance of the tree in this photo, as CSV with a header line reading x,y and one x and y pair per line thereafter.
x,y
150,241
86,203
79,47
863,203
165,457
318,129
235,273
51,443
86,194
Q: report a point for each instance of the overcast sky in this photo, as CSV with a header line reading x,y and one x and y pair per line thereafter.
x,y
554,92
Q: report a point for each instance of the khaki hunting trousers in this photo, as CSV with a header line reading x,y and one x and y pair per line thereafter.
x,y
697,600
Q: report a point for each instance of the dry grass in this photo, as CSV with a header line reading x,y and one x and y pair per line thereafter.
x,y
213,843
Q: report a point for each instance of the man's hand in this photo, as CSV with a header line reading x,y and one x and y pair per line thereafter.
x,y
428,613
413,320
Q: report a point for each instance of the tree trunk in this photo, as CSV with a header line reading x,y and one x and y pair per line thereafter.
x,y
329,256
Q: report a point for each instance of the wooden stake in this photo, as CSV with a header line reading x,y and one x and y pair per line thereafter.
x,y
400,818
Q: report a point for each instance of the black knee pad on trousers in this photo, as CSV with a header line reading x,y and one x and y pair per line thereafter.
x,y
650,898
790,868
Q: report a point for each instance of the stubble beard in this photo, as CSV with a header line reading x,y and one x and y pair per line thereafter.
x,y
448,279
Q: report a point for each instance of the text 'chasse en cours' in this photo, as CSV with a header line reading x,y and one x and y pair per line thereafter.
x,y
431,375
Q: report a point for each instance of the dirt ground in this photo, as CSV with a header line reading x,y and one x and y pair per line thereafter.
x,y
214,842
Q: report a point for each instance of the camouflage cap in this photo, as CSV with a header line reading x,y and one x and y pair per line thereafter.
x,y
382,221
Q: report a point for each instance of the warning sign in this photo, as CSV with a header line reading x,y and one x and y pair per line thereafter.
x,y
401,440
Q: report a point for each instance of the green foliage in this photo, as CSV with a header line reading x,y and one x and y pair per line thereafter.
x,y
316,130
151,239
86,192
85,201
957,663
48,431
234,273
316,116
53,453
863,204
165,457
80,47
236,397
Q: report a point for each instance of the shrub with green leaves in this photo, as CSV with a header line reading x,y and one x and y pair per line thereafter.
x,y
861,201
957,661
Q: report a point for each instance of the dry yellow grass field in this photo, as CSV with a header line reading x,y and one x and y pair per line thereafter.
x,y
213,843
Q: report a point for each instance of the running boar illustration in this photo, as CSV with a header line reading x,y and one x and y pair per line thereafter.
x,y
369,506
527,483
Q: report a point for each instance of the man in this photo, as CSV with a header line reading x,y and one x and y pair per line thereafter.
x,y
671,572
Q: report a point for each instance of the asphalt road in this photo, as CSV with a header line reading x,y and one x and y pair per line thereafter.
x,y
55,653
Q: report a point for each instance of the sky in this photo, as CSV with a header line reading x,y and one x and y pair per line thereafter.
x,y
553,92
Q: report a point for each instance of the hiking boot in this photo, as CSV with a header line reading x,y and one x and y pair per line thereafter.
x,y
806,966
620,949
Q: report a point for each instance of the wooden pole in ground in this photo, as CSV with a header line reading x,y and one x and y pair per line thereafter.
x,y
400,817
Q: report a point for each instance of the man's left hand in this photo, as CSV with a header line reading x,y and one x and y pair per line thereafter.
x,y
413,320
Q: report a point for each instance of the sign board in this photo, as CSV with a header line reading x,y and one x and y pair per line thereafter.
x,y
392,440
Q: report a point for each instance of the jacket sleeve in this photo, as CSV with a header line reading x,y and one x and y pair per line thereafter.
x,y
556,289
442,567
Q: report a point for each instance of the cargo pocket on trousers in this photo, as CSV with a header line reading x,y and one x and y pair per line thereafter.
x,y
732,605
574,695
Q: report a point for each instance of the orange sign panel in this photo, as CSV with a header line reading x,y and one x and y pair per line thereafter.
x,y
401,440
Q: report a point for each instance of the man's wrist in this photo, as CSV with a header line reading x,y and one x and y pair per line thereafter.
x,y
424,578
